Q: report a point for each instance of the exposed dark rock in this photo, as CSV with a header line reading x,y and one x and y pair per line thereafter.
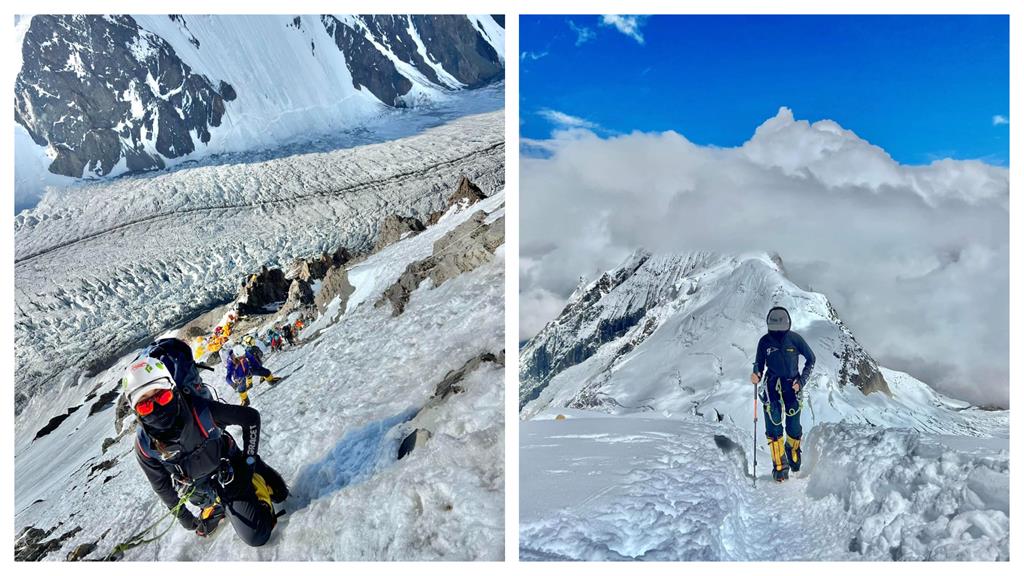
x,y
55,422
300,295
31,544
415,439
81,551
369,67
460,47
107,443
106,400
334,283
395,228
448,386
260,290
74,92
462,249
466,194
453,41
104,465
860,370
310,269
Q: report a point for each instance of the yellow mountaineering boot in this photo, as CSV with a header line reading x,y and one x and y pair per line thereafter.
x,y
244,396
779,472
793,453
209,519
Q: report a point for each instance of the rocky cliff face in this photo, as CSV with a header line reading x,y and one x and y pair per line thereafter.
x,y
99,90
107,95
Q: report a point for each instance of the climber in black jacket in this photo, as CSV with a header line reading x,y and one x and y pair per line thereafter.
x,y
187,455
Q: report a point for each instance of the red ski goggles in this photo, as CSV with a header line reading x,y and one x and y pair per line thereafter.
x,y
163,398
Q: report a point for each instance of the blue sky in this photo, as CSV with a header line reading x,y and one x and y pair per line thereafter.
x,y
921,87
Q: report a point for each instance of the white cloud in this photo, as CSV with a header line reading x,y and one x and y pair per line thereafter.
x,y
628,25
915,258
999,120
583,33
565,121
532,55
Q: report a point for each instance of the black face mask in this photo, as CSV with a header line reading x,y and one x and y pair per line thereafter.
x,y
165,421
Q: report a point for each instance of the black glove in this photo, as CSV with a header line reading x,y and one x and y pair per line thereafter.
x,y
186,519
205,527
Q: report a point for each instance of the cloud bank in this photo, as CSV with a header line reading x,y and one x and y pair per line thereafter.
x,y
915,258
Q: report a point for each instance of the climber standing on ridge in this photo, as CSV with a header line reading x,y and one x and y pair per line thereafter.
x,y
188,456
779,350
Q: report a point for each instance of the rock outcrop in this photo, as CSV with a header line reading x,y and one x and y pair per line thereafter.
x,y
464,248
263,289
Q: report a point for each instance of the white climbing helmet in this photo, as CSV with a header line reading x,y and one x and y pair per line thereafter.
x,y
144,376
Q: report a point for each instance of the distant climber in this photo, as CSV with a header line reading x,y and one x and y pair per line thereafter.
x,y
241,366
188,456
273,340
779,350
288,333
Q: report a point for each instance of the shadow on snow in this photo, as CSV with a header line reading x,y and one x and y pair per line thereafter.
x,y
355,458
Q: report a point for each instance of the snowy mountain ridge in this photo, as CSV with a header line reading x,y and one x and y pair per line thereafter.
x,y
637,438
101,96
675,334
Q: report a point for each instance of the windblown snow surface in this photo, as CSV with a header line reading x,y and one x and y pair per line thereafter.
x,y
332,429
652,458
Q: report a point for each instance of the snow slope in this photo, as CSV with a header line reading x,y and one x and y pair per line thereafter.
x,y
332,428
651,364
600,487
95,273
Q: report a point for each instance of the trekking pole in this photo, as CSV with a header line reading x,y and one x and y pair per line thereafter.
x,y
754,440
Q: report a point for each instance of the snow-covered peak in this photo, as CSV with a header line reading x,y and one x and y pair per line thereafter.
x,y
676,334
150,91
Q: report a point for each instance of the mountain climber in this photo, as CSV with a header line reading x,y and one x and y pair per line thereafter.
x,y
188,456
779,350
241,367
251,347
288,333
273,340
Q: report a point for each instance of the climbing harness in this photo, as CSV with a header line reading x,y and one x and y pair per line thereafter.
x,y
789,412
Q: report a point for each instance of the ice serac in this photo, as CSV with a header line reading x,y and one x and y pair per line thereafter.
x,y
107,95
676,334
